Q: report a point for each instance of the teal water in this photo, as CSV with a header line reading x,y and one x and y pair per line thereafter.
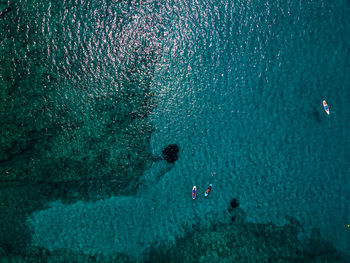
x,y
238,85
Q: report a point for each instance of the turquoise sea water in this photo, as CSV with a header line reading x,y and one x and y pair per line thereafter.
x,y
238,86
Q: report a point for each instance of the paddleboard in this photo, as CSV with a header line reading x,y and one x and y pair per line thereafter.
x,y
208,190
194,192
325,106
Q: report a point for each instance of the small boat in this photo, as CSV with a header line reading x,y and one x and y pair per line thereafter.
x,y
208,190
325,106
194,192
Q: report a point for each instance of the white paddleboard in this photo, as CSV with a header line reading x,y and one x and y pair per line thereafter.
x,y
325,106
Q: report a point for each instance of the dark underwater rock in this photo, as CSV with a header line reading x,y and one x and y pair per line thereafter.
x,y
234,203
170,153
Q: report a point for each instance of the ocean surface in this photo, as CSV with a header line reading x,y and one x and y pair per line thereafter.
x,y
237,85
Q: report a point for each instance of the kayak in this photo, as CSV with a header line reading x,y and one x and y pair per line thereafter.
x,y
194,192
325,106
208,190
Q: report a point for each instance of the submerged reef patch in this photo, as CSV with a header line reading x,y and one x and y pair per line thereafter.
x,y
170,153
73,111
244,242
67,113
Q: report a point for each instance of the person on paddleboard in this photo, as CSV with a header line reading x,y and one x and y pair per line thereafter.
x,y
194,192
209,187
208,190
326,107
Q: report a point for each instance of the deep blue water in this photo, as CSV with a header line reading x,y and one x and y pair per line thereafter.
x,y
239,87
